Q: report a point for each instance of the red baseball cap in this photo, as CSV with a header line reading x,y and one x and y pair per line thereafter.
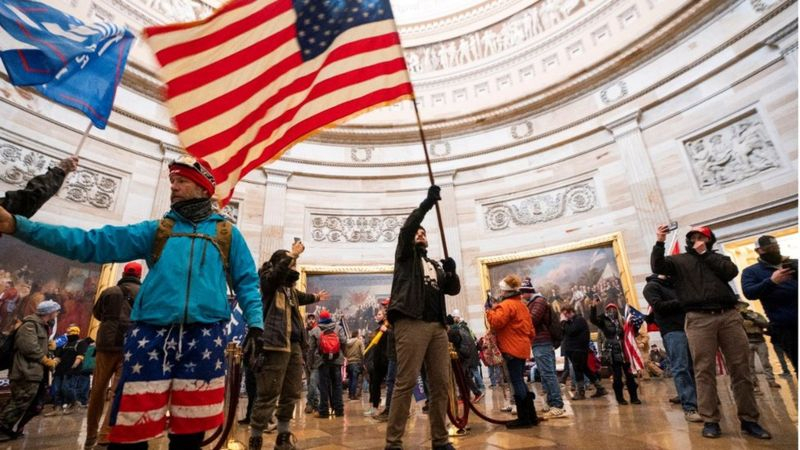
x,y
132,269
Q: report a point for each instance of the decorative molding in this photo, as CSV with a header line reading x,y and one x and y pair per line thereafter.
x,y
84,186
356,228
541,207
762,5
361,154
732,153
614,92
522,130
441,149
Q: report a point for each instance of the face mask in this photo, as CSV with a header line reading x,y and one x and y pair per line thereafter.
x,y
51,323
292,278
773,258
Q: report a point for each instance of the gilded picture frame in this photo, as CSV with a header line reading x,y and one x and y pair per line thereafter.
x,y
606,254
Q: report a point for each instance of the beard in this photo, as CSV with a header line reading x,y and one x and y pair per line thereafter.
x,y
773,258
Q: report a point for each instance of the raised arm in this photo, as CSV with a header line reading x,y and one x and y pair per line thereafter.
x,y
405,240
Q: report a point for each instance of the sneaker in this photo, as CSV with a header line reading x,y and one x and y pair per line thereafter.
x,y
554,413
478,397
68,410
773,384
711,430
755,430
285,441
370,411
447,446
57,411
545,409
506,408
692,416
383,416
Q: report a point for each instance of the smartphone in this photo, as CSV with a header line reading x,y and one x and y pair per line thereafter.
x,y
672,226
297,239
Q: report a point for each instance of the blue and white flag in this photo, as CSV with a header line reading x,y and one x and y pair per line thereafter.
x,y
67,61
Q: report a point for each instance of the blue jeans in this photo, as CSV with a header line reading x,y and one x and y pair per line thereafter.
x,y
330,388
495,375
80,387
477,375
516,375
391,375
545,358
312,397
681,365
353,372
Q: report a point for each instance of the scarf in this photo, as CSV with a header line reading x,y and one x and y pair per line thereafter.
x,y
195,210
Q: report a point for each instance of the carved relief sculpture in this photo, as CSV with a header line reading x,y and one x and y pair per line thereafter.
x,y
355,228
84,186
731,154
541,207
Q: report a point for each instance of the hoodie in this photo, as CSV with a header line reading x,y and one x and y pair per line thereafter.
x,y
667,310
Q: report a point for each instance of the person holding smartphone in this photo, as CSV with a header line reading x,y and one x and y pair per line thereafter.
x,y
773,280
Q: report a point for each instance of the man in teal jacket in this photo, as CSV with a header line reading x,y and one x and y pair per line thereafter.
x,y
174,358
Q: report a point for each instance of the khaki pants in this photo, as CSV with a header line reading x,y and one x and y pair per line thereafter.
x,y
760,348
724,330
107,364
279,383
417,342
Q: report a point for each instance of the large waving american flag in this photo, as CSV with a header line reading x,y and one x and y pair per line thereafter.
x,y
258,76
633,322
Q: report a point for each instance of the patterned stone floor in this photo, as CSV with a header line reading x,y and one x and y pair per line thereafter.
x,y
592,424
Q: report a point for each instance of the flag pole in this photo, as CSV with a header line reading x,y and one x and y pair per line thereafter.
x,y
83,139
430,174
672,242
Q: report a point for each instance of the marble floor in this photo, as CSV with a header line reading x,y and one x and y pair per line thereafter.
x,y
591,424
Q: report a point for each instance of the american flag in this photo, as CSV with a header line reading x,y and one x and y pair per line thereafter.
x,y
258,76
633,321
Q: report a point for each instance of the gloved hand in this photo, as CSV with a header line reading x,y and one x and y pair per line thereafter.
x,y
254,347
50,363
488,305
434,193
449,265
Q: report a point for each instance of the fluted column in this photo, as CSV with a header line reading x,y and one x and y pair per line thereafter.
x,y
274,212
447,205
642,182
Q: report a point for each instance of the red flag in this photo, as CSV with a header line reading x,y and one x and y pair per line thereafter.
x,y
633,321
256,77
676,249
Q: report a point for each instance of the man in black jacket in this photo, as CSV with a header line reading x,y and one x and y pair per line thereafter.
x,y
701,281
39,189
417,313
113,310
669,316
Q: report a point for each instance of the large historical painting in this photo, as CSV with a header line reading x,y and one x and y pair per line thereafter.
x,y
29,275
355,292
572,274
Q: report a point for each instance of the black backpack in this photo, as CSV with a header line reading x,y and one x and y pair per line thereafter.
x,y
7,348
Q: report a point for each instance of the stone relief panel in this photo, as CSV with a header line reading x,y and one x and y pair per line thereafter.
x,y
731,154
179,10
84,186
507,34
231,211
355,228
614,92
762,5
541,207
361,154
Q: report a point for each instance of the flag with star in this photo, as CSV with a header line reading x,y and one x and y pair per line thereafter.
x,y
257,76
633,322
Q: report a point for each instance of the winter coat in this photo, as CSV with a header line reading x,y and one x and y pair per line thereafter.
x,y
464,344
354,350
510,321
113,310
576,335
188,285
281,303
667,310
30,346
540,314
779,300
754,326
313,344
37,191
701,281
408,286
613,333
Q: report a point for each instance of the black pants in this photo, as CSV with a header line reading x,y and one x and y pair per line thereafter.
x,y
250,387
578,360
618,369
786,338
176,442
376,376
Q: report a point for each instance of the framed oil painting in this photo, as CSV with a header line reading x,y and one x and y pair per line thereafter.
x,y
570,274
355,291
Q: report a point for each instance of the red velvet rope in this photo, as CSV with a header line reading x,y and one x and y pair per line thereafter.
x,y
460,422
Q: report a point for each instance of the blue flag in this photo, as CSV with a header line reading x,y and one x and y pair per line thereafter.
x,y
67,61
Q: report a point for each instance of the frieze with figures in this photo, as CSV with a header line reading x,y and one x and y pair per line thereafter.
x,y
355,228
541,207
731,154
85,186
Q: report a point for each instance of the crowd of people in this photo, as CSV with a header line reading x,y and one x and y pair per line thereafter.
x,y
164,341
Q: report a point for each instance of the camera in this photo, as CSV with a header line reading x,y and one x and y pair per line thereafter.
x,y
790,264
672,226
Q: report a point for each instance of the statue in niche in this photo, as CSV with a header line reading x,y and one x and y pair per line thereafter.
x,y
427,62
451,53
474,48
489,41
752,148
444,62
464,55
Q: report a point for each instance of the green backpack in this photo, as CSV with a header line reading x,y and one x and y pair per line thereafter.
x,y
87,367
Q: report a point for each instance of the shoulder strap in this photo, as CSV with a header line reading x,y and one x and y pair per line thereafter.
x,y
163,233
223,238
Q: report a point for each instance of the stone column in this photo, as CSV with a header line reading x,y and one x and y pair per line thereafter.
x,y
274,212
645,192
161,201
447,206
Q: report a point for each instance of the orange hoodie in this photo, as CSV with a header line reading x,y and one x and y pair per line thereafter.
x,y
511,323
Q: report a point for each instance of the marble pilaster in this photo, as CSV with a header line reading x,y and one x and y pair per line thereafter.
x,y
274,212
